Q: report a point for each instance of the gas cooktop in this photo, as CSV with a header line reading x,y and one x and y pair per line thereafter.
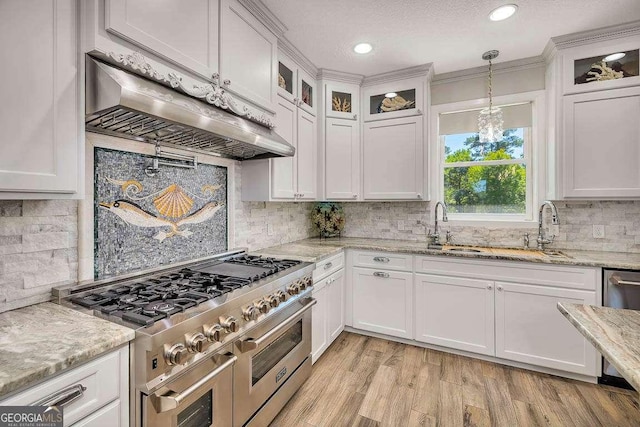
x,y
148,299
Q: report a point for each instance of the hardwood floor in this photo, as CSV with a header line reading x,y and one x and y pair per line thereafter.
x,y
364,381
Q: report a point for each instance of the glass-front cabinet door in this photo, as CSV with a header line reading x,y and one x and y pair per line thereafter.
x,y
287,79
393,100
306,92
342,101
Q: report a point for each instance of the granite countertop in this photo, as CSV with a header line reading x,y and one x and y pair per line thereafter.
x,y
315,249
614,332
43,339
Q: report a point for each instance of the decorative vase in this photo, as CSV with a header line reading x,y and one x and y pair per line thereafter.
x,y
328,218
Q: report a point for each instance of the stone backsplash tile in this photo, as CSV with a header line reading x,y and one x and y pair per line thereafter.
x,y
404,220
38,249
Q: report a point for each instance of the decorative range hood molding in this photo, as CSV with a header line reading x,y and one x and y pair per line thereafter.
x,y
146,105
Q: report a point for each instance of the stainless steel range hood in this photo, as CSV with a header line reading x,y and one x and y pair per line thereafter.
x,y
122,104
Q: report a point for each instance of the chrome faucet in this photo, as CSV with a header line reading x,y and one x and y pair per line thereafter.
x,y
554,220
435,236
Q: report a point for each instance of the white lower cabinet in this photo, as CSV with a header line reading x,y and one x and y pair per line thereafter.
x,y
319,326
455,312
102,386
530,329
383,301
328,313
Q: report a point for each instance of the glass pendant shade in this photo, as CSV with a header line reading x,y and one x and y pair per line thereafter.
x,y
490,124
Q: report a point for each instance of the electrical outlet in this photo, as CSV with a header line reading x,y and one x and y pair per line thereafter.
x,y
598,231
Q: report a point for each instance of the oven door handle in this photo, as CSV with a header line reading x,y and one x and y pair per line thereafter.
x,y
252,344
172,400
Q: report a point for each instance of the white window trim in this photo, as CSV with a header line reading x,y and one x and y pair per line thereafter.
x,y
536,177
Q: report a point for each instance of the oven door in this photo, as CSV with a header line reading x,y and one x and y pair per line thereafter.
x,y
199,398
268,355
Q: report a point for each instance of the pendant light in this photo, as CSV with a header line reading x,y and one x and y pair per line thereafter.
x,y
490,121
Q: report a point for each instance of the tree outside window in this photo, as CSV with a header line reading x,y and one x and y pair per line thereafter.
x,y
486,178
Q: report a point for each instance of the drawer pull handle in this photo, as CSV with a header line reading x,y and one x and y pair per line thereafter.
x,y
328,265
381,259
380,274
168,402
62,397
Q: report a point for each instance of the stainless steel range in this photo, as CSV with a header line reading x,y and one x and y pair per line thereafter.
x,y
223,341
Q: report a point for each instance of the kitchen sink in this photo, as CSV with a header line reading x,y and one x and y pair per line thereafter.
x,y
515,252
471,250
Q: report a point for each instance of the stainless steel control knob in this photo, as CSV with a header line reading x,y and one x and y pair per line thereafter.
x,y
250,313
273,300
263,306
195,343
293,289
302,285
176,355
282,296
308,281
230,324
214,332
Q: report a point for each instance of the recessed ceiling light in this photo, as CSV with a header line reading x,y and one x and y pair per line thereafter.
x,y
362,48
503,12
614,56
390,95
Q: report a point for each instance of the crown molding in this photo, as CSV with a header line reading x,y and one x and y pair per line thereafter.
x,y
339,76
424,70
499,68
298,57
590,36
264,15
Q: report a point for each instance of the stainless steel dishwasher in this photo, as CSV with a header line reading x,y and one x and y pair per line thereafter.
x,y
621,290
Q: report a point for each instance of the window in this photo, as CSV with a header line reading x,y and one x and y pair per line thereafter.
x,y
487,181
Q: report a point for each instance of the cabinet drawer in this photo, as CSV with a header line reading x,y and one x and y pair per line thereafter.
x,y
100,378
586,278
109,416
328,266
387,261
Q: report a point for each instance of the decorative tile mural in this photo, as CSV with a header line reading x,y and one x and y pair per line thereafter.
x,y
145,221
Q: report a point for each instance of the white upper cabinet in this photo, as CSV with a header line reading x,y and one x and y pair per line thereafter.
x,y
342,101
42,142
306,92
306,158
248,56
593,111
393,159
602,144
182,32
284,169
296,85
394,99
342,159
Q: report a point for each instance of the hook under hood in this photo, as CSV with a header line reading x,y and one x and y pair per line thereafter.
x,y
123,104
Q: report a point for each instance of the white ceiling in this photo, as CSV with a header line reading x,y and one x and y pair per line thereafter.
x,y
452,34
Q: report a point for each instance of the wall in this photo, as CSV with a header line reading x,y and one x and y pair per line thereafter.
x,y
393,220
39,241
511,77
38,249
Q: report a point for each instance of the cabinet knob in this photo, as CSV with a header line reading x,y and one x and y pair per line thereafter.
x,y
215,76
380,274
355,117
226,82
499,287
419,196
295,101
355,196
301,195
489,287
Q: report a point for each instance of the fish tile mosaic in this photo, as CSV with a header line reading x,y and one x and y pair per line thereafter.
x,y
144,221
